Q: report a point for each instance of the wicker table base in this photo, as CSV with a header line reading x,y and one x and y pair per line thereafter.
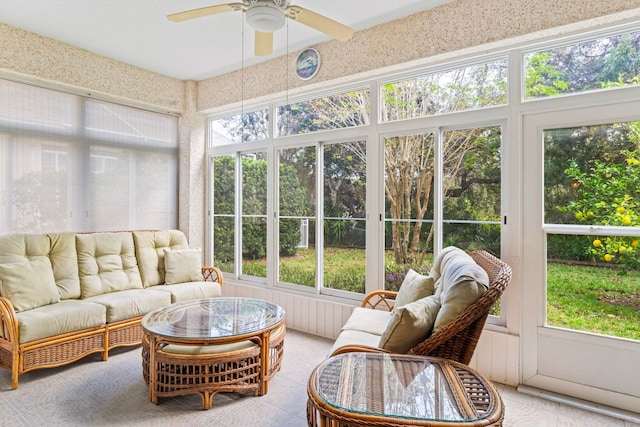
x,y
207,370
178,360
374,389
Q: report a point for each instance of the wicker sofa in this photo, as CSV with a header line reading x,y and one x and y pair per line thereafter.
x,y
66,295
440,315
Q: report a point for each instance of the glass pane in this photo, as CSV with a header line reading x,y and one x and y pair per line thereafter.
x,y
112,122
155,206
471,186
111,186
460,89
592,176
330,112
606,62
596,292
36,185
237,128
345,216
224,189
36,109
409,172
254,214
297,192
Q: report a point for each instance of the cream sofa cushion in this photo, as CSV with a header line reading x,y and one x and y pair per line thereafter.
x,y
54,319
64,261
367,320
59,248
415,286
131,303
150,246
410,324
191,290
106,263
352,337
28,284
182,265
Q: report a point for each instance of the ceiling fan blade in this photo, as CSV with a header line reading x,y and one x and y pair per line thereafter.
x,y
319,22
205,11
263,43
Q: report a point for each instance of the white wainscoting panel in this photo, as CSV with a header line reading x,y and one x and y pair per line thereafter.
x,y
496,356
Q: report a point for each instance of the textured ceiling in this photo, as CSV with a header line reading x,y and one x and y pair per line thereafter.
x,y
138,32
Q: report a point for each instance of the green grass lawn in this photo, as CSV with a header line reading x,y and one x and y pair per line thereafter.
x,y
590,299
594,299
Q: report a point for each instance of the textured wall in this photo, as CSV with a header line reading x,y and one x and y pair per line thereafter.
x,y
448,28
33,57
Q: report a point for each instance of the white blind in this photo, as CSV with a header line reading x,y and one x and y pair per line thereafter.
x,y
70,163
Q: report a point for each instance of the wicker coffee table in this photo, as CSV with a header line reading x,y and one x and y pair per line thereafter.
x,y
377,389
211,345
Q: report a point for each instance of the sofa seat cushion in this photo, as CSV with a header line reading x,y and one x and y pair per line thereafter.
x,y
107,263
150,247
28,284
131,303
189,291
410,325
352,337
368,320
55,319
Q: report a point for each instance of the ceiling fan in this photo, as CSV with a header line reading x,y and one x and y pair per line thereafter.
x,y
267,16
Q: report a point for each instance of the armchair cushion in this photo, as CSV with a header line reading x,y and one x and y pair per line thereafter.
x,y
461,283
410,324
415,286
182,265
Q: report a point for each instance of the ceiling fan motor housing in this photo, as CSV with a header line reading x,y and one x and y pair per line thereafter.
x,y
266,15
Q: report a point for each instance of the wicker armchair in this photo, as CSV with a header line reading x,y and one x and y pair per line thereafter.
x,y
459,338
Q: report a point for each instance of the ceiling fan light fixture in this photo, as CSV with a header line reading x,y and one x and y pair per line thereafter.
x,y
265,18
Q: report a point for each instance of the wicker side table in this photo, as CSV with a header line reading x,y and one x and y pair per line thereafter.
x,y
375,389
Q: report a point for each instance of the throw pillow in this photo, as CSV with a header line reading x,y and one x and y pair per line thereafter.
x,y
410,324
29,284
182,265
415,286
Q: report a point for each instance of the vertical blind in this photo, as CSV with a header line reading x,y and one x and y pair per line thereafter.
x,y
71,163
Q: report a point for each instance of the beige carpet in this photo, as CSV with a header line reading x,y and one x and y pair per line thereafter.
x,y
95,393
113,393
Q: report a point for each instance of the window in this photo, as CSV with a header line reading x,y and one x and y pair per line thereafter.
x,y
71,163
460,89
601,63
592,212
339,111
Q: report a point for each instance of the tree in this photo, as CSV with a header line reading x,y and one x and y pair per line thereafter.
x,y
608,195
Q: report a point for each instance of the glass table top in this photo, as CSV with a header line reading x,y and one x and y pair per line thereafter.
x,y
213,318
391,385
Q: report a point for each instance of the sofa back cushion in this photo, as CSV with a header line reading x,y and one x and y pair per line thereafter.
x,y
64,262
150,247
28,284
107,263
58,248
